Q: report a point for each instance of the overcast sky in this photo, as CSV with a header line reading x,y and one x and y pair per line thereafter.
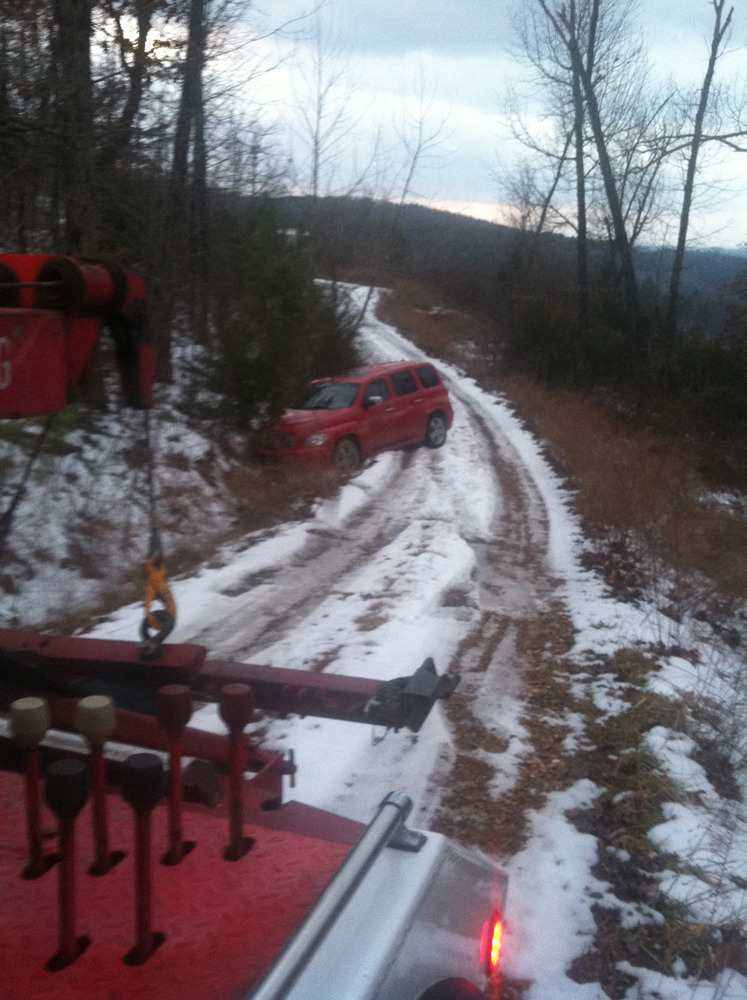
x,y
461,54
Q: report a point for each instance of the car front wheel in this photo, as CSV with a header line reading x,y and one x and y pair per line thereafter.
x,y
347,456
435,430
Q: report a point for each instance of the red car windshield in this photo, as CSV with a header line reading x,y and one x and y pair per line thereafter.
x,y
329,396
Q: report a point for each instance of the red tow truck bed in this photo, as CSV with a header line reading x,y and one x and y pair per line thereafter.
x,y
223,921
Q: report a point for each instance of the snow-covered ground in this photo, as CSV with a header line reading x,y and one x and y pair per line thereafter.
x,y
366,586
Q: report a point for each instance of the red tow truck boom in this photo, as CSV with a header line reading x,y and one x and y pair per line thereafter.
x,y
52,309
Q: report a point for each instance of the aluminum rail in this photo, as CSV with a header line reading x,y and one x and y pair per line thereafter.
x,y
386,828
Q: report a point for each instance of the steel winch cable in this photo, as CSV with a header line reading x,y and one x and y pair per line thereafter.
x,y
160,620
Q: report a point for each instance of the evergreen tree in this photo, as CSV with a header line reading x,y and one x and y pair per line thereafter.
x,y
276,327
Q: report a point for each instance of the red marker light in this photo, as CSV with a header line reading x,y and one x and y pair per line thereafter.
x,y
490,944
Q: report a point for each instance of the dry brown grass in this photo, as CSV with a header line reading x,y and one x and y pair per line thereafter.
x,y
640,494
267,494
444,332
634,485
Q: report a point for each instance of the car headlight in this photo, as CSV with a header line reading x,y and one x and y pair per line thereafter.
x,y
315,440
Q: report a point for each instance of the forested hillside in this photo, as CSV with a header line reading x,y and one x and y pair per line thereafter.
x,y
107,150
119,141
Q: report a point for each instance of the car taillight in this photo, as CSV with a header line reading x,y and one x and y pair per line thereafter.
x,y
490,944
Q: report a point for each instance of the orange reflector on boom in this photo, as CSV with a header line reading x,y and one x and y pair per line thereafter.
x,y
490,944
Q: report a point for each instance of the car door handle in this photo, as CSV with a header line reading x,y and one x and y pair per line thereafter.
x,y
390,409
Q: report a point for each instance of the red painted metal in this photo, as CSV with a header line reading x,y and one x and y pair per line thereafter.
x,y
174,709
282,691
77,657
177,846
223,923
52,310
32,363
275,689
25,269
100,834
95,721
38,862
71,285
262,898
68,949
135,729
29,722
146,941
143,788
66,794
236,709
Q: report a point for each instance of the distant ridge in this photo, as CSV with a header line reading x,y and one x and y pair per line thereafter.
x,y
418,241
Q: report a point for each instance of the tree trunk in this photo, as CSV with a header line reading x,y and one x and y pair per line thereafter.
x,y
582,259
74,165
198,256
639,333
567,32
120,141
176,249
720,28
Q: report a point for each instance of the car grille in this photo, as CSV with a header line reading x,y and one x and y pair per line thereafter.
x,y
276,441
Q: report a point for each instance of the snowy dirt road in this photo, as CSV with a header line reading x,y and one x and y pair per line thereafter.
x,y
424,553
470,554
445,553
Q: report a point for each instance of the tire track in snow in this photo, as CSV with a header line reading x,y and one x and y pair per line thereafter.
x,y
326,566
517,602
445,555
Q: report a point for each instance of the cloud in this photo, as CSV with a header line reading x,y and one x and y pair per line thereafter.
x,y
394,27
461,56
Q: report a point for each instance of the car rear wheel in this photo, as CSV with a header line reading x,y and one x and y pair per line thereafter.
x,y
435,430
347,456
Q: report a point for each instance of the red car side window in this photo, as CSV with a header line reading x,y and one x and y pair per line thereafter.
x,y
428,377
403,383
376,389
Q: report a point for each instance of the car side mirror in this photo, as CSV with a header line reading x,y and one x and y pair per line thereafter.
x,y
373,401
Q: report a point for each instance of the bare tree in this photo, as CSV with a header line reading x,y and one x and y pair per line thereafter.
x,y
578,36
27,137
721,24
244,158
579,119
325,113
420,138
74,119
135,61
598,127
